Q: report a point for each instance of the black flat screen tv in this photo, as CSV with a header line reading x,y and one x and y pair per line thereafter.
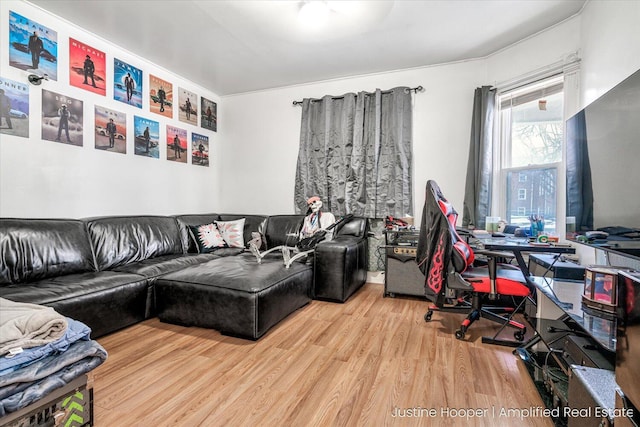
x,y
603,161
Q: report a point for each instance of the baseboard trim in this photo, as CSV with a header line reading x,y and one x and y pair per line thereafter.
x,y
375,277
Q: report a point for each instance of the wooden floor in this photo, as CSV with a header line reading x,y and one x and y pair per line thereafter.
x,y
371,361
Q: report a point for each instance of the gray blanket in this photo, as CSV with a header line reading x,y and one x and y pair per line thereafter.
x,y
24,325
27,385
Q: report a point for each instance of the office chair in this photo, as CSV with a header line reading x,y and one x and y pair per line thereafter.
x,y
452,282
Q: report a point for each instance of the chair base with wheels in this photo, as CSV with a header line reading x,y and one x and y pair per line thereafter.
x,y
475,310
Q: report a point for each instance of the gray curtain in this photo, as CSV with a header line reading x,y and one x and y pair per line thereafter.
x,y
356,154
579,185
477,193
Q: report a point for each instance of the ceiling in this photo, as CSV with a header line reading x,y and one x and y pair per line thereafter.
x,y
232,47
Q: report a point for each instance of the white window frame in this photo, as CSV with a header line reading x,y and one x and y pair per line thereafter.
x,y
502,154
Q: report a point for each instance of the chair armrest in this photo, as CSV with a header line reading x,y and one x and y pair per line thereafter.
x,y
494,254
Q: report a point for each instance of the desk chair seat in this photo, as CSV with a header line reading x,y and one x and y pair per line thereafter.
x,y
503,286
454,284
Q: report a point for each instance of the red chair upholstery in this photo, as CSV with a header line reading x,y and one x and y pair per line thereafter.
x,y
452,282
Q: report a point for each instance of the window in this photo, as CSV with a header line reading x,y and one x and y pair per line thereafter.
x,y
530,152
522,194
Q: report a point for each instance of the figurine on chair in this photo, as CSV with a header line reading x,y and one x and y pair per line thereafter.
x,y
317,226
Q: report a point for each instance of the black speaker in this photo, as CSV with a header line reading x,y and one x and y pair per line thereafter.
x,y
402,275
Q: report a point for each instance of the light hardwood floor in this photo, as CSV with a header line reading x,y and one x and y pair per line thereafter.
x,y
368,362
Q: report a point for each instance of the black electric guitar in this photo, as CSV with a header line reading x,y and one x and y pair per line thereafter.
x,y
309,243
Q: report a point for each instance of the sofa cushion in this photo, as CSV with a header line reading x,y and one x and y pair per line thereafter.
x,y
206,237
125,239
154,267
184,221
356,226
232,232
282,230
34,249
105,301
252,223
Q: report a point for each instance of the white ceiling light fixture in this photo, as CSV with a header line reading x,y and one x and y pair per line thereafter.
x,y
314,13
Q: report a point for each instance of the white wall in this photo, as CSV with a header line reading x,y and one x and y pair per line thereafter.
x,y
535,52
48,179
610,45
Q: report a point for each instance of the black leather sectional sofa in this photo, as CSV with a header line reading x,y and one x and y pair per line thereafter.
x,y
112,272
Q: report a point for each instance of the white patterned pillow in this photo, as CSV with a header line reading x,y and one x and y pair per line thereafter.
x,y
207,237
232,232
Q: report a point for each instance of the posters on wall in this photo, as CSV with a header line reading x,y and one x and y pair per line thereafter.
x,y
209,111
160,96
146,137
176,144
32,46
62,118
188,103
199,149
87,67
127,83
111,130
14,108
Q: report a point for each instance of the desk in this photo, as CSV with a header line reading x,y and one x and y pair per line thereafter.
x,y
522,245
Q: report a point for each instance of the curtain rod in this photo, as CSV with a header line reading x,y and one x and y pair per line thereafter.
x,y
412,89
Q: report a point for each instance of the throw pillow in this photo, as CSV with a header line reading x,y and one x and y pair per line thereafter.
x,y
207,237
232,232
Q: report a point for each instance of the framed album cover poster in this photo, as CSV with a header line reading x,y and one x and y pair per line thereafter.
x,y
188,111
209,114
147,137
160,96
62,118
32,46
127,83
14,108
111,130
87,67
199,149
176,144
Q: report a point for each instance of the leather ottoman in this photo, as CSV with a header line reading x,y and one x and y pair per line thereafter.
x,y
234,295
